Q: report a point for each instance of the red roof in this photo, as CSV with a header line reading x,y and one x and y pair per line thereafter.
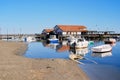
x,y
48,30
72,28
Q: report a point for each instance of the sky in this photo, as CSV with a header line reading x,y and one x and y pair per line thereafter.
x,y
32,16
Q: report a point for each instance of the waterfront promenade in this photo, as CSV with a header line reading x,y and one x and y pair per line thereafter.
x,y
13,66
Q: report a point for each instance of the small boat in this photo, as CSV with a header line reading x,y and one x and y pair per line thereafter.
x,y
29,39
53,39
75,56
91,42
79,54
102,48
110,41
71,40
79,43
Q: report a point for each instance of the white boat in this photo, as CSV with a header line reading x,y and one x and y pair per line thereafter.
x,y
78,54
71,40
79,43
102,48
53,39
105,54
110,41
30,39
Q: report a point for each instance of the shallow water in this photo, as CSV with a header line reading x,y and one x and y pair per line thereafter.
x,y
107,67
41,50
100,66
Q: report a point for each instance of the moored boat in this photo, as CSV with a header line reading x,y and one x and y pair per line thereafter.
x,y
29,39
53,39
110,41
102,48
91,42
79,43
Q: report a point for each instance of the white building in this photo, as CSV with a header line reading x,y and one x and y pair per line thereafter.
x,y
69,29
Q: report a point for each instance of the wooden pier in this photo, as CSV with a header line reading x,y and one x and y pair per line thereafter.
x,y
100,36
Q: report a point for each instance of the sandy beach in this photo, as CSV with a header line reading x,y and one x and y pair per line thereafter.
x,y
13,66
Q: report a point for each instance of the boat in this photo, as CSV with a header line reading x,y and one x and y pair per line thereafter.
x,y
110,41
75,56
71,40
91,42
102,48
53,39
79,54
29,39
78,43
105,54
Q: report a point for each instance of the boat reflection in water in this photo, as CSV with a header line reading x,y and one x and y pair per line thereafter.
x,y
50,45
78,54
105,54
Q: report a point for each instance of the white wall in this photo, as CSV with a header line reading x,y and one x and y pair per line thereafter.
x,y
64,33
78,32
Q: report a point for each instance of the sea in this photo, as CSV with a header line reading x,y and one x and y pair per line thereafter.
x,y
97,66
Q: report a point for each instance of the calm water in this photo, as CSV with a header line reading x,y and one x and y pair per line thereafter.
x,y
102,66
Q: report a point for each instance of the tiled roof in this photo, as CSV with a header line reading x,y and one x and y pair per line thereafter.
x,y
48,30
63,48
74,28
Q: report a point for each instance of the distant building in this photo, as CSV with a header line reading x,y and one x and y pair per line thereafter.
x,y
65,30
47,31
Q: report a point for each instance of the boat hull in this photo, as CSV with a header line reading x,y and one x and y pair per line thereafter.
x,y
53,40
80,45
102,49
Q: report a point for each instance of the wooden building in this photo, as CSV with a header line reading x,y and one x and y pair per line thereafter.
x,y
66,30
47,31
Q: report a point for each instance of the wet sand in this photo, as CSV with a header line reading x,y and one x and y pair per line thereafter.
x,y
13,66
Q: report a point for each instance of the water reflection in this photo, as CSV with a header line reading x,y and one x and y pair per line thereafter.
x,y
64,42
50,45
105,54
81,51
94,66
78,54
62,48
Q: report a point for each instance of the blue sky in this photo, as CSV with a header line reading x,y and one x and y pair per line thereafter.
x,y
32,16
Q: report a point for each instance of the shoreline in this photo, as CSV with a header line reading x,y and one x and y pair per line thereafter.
x,y
13,66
